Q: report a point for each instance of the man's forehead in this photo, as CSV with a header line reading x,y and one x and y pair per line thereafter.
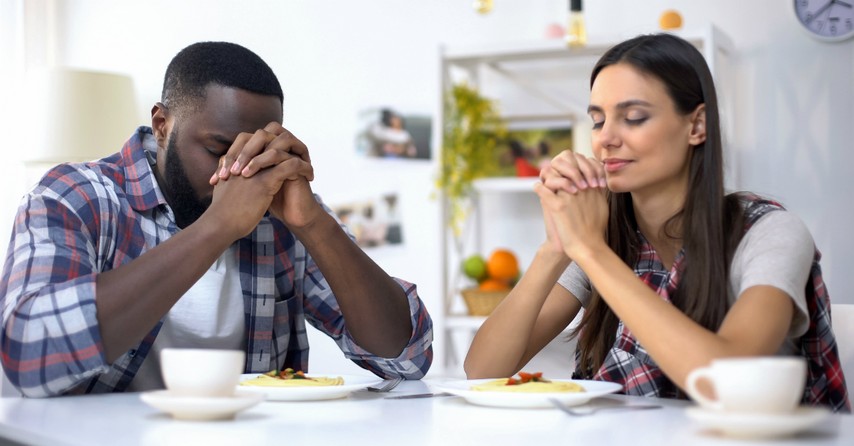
x,y
227,111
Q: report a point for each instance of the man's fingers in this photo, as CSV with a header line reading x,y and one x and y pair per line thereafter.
x,y
257,143
273,159
290,169
287,142
275,128
265,148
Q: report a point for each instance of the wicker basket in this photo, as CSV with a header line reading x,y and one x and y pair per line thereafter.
x,y
481,303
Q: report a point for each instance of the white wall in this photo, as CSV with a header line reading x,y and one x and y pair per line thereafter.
x,y
793,109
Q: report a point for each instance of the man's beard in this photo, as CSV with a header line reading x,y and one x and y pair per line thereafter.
x,y
184,201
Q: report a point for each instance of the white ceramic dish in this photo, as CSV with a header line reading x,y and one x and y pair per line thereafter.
x,y
200,408
746,425
351,384
462,388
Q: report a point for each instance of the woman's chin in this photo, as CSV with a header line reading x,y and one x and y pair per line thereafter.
x,y
617,187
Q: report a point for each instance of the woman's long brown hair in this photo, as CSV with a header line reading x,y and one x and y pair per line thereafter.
x,y
709,222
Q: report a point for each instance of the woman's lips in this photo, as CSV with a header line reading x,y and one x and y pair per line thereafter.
x,y
614,165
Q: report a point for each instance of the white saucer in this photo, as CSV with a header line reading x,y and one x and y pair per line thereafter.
x,y
200,408
746,425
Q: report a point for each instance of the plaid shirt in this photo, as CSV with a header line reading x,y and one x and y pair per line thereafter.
x,y
629,364
82,219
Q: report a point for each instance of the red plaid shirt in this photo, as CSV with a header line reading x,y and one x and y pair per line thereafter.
x,y
629,364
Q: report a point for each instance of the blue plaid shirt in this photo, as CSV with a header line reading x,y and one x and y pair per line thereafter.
x,y
82,219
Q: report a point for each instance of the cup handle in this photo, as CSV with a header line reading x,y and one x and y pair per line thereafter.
x,y
691,387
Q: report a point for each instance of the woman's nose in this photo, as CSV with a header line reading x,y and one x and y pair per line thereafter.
x,y
607,136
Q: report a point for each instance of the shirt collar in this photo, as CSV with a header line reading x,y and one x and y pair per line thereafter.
x,y
140,184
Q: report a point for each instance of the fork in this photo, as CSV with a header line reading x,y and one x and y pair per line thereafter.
x,y
592,410
387,385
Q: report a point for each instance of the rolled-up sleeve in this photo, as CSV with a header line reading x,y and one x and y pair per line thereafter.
x,y
413,362
50,338
415,359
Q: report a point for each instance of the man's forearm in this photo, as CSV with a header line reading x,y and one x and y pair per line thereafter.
x,y
375,307
132,298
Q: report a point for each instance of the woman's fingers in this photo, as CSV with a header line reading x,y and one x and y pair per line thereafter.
x,y
592,170
579,171
557,182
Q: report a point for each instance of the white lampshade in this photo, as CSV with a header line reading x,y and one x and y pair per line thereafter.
x,y
77,115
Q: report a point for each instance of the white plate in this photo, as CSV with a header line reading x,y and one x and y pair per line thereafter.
x,y
758,425
200,408
351,383
462,388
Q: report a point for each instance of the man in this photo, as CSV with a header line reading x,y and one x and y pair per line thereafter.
x,y
202,232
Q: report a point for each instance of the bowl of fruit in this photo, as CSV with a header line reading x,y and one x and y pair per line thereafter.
x,y
494,276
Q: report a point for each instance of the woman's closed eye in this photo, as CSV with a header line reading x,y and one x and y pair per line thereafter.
x,y
630,121
636,121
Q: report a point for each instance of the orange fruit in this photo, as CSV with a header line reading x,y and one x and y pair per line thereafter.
x,y
670,19
502,265
493,285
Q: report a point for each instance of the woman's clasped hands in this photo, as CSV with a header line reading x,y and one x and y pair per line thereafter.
x,y
573,195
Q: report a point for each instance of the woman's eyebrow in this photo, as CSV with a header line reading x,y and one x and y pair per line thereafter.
x,y
632,103
621,106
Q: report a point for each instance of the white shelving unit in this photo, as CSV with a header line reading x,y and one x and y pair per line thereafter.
x,y
532,82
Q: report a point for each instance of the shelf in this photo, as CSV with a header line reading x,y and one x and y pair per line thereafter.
x,y
505,185
520,51
540,50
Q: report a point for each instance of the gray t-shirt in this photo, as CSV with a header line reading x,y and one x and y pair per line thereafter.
x,y
777,251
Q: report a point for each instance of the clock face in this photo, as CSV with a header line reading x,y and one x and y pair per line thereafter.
x,y
830,20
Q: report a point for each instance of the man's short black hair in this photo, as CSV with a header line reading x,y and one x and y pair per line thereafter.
x,y
220,63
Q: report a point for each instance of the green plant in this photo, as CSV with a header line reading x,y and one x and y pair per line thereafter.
x,y
471,133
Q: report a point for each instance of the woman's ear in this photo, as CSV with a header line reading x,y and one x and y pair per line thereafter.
x,y
697,135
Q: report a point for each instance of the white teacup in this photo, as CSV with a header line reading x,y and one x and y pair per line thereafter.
x,y
201,372
770,385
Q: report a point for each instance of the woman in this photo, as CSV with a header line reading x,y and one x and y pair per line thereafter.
x,y
672,273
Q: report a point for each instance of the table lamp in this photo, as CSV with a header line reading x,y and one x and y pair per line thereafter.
x,y
75,115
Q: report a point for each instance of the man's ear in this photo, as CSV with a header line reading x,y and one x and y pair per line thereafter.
x,y
159,124
697,135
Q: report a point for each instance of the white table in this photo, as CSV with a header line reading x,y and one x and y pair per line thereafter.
x,y
368,419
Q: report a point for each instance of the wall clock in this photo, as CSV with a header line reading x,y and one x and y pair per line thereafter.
x,y
827,20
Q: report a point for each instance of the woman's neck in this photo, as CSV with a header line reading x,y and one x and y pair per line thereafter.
x,y
652,212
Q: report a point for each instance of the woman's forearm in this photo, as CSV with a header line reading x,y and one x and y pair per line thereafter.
x,y
504,338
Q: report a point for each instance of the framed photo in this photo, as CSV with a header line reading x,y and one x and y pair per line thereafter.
x,y
386,133
528,144
374,222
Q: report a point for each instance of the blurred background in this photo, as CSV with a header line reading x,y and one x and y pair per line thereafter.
x,y
791,99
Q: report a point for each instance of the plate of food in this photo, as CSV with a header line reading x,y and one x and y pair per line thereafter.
x,y
290,385
527,390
